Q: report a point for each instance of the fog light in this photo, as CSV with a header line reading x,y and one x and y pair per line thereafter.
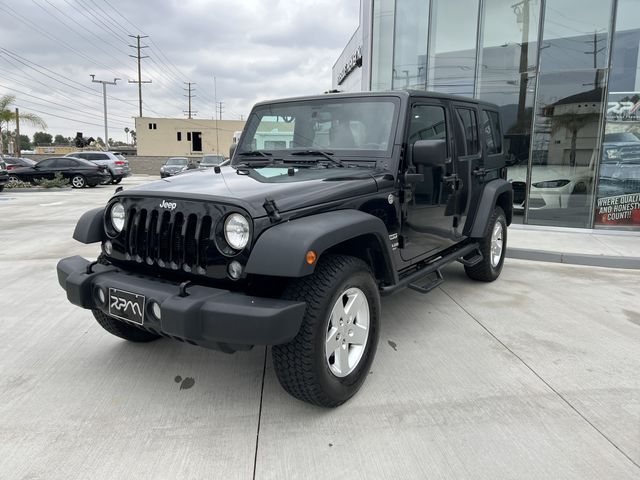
x,y
155,309
235,270
108,247
101,297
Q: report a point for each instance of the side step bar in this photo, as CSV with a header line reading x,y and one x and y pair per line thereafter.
x,y
412,280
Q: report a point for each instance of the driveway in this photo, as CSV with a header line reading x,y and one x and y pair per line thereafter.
x,y
532,376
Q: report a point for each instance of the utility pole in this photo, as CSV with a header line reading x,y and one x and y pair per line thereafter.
x,y
189,95
215,100
17,149
595,53
104,97
138,56
220,109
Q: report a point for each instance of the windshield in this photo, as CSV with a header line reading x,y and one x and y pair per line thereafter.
x,y
212,160
176,162
346,126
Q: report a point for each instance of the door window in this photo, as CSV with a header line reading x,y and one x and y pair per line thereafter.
x,y
427,123
491,132
49,163
468,144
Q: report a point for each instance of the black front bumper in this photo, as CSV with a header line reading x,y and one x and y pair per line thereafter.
x,y
206,316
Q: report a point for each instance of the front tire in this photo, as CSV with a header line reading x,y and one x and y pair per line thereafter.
x,y
78,181
116,180
493,247
329,359
123,330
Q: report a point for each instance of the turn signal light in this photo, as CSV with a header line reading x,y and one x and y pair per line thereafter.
x,y
311,257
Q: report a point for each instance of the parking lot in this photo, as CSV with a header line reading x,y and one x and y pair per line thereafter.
x,y
533,376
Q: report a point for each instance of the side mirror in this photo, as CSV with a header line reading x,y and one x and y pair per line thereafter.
x,y
232,149
429,153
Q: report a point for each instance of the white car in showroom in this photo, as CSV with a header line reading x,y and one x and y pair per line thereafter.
x,y
552,186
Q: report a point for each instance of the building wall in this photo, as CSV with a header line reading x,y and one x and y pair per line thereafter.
x,y
565,75
159,136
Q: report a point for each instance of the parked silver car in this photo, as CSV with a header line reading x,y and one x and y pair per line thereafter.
x,y
117,165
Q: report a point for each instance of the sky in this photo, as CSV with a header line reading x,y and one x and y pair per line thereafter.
x,y
256,49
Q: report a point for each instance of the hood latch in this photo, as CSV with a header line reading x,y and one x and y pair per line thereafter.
x,y
272,210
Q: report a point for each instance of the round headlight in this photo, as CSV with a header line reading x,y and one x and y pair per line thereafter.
x,y
117,217
236,231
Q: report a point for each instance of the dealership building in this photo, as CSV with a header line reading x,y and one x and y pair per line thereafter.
x,y
564,73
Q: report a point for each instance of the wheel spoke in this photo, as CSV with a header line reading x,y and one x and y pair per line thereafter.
x,y
359,336
342,359
354,305
332,343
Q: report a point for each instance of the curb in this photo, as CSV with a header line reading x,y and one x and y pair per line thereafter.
x,y
606,261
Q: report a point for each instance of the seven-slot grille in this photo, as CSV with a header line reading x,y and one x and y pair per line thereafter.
x,y
519,192
169,239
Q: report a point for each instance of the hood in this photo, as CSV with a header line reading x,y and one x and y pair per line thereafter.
x,y
307,187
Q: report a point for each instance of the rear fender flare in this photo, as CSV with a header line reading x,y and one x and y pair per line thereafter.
x,y
496,192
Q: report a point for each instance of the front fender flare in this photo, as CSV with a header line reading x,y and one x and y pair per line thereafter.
x,y
89,228
281,250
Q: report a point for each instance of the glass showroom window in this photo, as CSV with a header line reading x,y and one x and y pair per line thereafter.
x,y
508,58
410,51
568,112
382,44
453,38
618,194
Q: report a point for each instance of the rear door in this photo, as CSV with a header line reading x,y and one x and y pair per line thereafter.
x,y
469,161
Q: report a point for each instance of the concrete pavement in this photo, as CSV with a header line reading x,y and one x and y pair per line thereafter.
x,y
532,376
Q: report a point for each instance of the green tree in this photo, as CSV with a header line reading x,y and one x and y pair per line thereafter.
x,y
100,142
8,116
60,140
25,143
133,136
42,138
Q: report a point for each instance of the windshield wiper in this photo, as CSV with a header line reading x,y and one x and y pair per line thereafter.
x,y
320,153
256,153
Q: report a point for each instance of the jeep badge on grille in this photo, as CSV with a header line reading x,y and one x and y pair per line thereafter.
x,y
168,205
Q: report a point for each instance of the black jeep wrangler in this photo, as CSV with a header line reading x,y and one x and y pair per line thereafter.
x,y
330,202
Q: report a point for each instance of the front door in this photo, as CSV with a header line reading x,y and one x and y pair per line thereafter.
x,y
430,204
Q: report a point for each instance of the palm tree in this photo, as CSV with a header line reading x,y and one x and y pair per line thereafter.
x,y
573,122
8,115
126,130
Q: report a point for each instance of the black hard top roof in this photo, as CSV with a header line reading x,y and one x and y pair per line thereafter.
x,y
405,94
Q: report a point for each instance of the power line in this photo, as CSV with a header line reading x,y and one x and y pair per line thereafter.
x,y
55,7
52,103
31,25
29,64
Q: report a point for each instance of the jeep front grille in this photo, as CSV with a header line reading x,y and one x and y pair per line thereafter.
x,y
519,192
173,240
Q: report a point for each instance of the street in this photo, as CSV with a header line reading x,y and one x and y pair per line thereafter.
x,y
532,376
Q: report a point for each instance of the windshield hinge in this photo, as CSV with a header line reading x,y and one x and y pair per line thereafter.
x,y
272,210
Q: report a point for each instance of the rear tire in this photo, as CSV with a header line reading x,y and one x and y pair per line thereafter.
x,y
78,181
493,247
329,359
121,329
